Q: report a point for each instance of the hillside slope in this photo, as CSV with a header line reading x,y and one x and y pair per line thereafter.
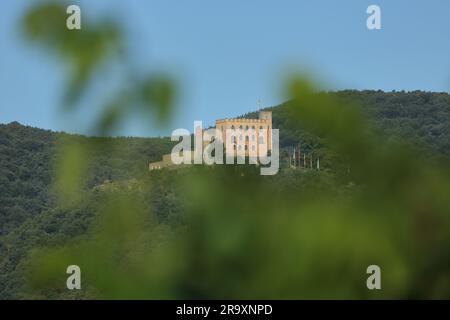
x,y
421,118
30,217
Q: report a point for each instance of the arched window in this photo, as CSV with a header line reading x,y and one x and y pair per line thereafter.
x,y
253,137
246,138
232,128
240,127
246,147
261,139
234,147
246,128
261,127
240,137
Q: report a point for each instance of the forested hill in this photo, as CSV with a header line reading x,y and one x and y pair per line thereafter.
x,y
29,216
25,173
27,154
27,157
422,118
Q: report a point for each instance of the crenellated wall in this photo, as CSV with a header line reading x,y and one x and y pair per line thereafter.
x,y
250,135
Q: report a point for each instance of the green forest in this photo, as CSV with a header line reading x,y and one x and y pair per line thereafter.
x,y
31,217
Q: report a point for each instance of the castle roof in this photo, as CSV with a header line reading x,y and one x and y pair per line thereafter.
x,y
242,120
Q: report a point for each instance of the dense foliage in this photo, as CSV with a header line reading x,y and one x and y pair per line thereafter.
x,y
419,117
30,216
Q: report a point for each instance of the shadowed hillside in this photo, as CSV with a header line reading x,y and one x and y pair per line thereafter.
x,y
30,216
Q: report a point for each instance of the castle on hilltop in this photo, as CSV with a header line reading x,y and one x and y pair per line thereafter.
x,y
241,137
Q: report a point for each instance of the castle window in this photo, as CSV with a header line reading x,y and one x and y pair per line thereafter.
x,y
240,137
232,128
246,138
253,137
261,127
261,139
240,128
246,127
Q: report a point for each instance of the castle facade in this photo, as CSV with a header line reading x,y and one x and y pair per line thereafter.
x,y
247,136
241,137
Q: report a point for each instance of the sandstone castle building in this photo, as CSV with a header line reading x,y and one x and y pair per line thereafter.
x,y
248,136
240,136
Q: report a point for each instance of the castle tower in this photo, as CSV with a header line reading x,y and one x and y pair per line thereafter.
x,y
266,118
266,115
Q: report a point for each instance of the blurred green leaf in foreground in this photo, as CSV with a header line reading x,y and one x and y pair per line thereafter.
x,y
295,235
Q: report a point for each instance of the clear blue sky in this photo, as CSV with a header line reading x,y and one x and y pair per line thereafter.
x,y
228,54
